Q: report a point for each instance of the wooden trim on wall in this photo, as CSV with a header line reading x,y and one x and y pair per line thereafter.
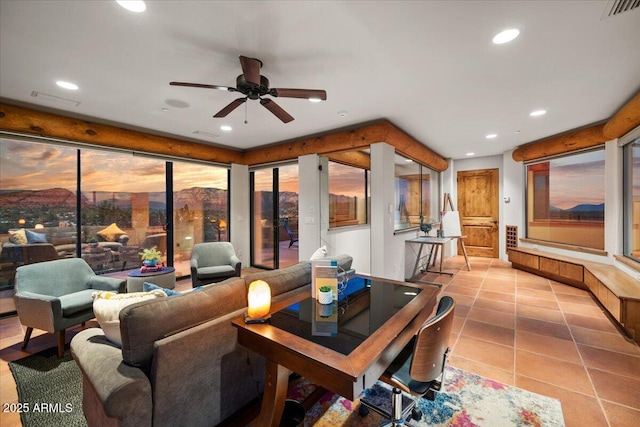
x,y
624,120
32,122
27,121
560,144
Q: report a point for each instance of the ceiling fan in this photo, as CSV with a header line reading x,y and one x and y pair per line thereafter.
x,y
254,86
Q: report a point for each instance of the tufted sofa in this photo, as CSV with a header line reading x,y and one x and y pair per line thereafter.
x,y
180,363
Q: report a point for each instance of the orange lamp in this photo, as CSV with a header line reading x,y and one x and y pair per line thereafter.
x,y
259,302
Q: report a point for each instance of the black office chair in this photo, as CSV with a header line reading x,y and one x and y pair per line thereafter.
x,y
292,235
419,368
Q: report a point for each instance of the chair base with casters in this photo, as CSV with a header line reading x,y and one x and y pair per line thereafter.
x,y
418,371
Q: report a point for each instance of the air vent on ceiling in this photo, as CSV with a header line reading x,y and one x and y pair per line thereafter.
x,y
204,133
616,7
54,99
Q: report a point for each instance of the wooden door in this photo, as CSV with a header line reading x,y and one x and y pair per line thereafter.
x,y
478,207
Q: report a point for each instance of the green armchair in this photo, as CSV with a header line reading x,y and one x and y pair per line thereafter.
x,y
55,295
213,262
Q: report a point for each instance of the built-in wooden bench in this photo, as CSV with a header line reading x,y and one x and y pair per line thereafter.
x,y
618,292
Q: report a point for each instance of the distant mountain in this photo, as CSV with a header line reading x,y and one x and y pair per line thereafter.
x,y
587,208
51,197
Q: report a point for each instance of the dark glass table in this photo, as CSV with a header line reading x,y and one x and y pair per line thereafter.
x,y
344,351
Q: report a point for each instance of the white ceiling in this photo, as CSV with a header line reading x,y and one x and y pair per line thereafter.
x,y
429,67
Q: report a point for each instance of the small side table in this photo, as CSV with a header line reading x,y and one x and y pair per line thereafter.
x,y
165,278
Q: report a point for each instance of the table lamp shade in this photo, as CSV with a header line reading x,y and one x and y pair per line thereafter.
x,y
259,299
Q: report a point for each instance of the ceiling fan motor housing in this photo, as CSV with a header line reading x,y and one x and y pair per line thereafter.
x,y
251,90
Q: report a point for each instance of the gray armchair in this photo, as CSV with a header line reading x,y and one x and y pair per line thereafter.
x,y
213,262
55,295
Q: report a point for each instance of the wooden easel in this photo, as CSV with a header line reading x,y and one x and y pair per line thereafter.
x,y
449,204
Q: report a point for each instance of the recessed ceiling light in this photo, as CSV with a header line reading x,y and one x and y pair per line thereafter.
x,y
226,128
342,114
516,131
538,113
67,85
491,135
471,154
164,110
506,36
408,160
315,99
133,5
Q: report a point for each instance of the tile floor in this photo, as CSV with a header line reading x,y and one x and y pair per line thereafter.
x,y
511,326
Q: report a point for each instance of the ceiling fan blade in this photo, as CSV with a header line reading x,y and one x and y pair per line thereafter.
x,y
251,69
203,86
270,105
229,108
299,93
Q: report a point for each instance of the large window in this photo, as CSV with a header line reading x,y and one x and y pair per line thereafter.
x,y
632,200
348,195
121,209
565,200
416,189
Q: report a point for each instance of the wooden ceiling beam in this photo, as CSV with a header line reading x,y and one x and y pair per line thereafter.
x,y
559,144
31,122
337,143
624,120
351,139
356,159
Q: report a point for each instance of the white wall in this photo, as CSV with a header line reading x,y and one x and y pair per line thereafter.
x,y
239,224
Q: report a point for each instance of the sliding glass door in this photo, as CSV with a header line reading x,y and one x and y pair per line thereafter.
x,y
274,216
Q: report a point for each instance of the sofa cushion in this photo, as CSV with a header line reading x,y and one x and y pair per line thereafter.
x,y
107,306
142,324
18,237
76,302
284,279
215,272
33,237
111,233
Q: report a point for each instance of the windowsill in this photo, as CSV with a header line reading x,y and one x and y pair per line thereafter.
x,y
347,228
574,248
628,262
406,230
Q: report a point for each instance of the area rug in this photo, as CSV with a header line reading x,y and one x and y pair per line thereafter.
x,y
49,390
467,400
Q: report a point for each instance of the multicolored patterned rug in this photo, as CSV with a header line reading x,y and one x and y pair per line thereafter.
x,y
467,400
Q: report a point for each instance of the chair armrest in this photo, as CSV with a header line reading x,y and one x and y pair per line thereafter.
x,y
194,268
102,283
38,310
123,391
236,264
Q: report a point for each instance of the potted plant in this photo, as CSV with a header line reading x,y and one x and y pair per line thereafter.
x,y
325,295
150,257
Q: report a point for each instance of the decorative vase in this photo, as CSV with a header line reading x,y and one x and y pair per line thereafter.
x,y
150,262
325,297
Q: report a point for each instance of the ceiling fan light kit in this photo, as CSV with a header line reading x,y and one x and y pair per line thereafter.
x,y
255,86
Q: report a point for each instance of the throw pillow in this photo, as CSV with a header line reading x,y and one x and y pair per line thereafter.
x,y
148,287
18,237
319,253
33,237
111,233
107,306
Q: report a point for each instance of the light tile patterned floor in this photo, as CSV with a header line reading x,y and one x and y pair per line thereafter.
x,y
511,326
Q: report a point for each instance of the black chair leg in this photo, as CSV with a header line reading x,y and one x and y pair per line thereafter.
x,y
27,337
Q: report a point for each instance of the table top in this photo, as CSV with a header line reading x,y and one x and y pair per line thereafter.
x,y
430,240
372,323
138,273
